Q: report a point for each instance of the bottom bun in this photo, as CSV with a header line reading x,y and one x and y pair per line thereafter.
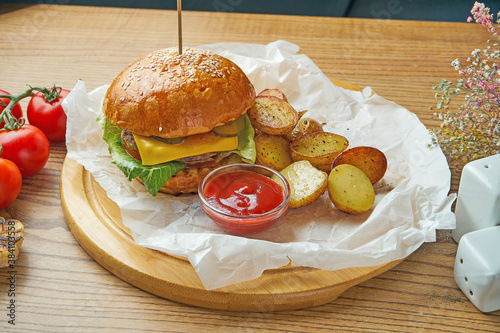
x,y
187,180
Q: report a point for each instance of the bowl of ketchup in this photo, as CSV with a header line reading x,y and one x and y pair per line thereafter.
x,y
243,199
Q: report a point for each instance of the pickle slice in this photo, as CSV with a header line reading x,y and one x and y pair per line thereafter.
x,y
170,141
232,128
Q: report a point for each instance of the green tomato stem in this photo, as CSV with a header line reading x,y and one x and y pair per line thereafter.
x,y
50,95
11,122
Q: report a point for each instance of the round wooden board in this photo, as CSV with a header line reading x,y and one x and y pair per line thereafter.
x,y
96,223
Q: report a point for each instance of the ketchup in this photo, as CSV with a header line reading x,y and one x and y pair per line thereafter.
x,y
243,193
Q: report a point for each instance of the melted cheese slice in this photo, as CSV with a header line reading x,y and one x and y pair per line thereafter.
x,y
155,152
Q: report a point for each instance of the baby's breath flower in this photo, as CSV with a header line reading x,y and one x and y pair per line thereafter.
x,y
473,130
456,63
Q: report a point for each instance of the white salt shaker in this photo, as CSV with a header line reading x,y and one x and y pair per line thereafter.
x,y
478,201
477,268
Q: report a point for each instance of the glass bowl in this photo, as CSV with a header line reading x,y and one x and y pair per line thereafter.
x,y
252,223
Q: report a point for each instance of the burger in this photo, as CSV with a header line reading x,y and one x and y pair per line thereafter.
x,y
169,118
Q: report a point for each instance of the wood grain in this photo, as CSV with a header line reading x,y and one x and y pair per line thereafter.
x,y
60,288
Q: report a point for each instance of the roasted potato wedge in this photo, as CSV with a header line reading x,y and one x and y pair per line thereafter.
x,y
302,113
350,190
273,151
369,159
303,127
273,92
306,183
319,148
273,115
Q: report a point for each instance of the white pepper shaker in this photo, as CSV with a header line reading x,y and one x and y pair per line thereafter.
x,y
478,202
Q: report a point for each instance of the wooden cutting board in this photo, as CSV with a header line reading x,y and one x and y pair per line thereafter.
x,y
96,223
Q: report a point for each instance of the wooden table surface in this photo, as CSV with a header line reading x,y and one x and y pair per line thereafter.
x,y
59,288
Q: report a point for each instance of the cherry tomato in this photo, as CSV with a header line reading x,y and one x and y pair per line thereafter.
x,y
16,111
49,117
27,147
10,182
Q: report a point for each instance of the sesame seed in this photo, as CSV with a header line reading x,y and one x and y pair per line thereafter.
x,y
181,68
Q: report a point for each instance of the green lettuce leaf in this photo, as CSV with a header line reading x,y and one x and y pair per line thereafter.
x,y
155,176
246,144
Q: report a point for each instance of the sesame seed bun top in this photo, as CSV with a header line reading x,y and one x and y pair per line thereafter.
x,y
170,95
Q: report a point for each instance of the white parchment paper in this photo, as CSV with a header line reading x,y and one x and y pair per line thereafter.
x,y
407,212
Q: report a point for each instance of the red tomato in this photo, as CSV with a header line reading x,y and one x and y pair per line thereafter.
x,y
17,111
27,147
10,182
49,117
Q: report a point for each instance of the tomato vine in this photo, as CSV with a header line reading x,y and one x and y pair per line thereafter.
x,y
11,122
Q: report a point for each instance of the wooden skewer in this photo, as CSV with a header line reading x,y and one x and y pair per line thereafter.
x,y
179,23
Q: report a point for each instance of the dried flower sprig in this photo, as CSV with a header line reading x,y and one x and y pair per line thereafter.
x,y
472,131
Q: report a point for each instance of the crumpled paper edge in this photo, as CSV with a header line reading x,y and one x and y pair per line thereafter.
x,y
208,252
